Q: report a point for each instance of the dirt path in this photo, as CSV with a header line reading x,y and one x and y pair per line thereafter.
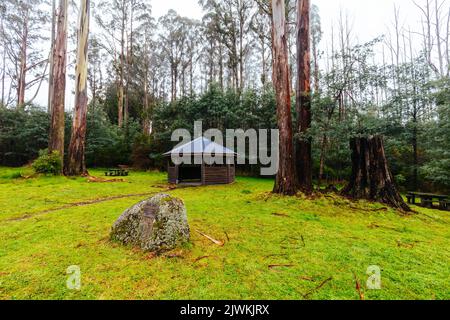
x,y
27,215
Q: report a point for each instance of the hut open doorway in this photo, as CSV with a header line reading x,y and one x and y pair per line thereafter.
x,y
188,173
201,174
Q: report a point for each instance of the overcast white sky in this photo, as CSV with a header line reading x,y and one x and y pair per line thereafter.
x,y
370,18
188,8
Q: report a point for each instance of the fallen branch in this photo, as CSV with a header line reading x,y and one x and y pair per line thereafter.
x,y
318,287
200,258
406,245
280,215
274,266
92,179
178,254
376,226
151,255
366,209
276,255
219,243
358,287
306,278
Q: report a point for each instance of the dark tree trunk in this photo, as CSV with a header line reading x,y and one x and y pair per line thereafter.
x,y
415,184
303,98
371,178
56,141
285,180
323,146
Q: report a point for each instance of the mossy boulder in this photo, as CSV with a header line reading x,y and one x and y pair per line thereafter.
x,y
157,224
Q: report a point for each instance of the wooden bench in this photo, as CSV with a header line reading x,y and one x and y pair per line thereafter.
x,y
428,199
427,203
411,198
117,173
444,204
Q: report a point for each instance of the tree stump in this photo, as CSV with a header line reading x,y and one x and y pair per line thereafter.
x,y
371,177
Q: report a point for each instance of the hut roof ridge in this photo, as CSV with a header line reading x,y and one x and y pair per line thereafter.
x,y
201,145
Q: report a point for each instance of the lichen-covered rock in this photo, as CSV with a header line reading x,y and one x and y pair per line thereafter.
x,y
157,224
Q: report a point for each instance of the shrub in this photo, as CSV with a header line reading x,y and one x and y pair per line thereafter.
x,y
22,135
12,176
400,179
48,163
140,154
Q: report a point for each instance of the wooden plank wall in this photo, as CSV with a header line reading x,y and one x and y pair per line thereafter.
x,y
173,174
210,175
215,175
231,174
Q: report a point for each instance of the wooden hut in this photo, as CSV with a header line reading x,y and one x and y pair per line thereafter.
x,y
199,171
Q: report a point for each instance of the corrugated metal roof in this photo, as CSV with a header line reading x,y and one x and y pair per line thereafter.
x,y
200,146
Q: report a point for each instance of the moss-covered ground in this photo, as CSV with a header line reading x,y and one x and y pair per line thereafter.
x,y
274,247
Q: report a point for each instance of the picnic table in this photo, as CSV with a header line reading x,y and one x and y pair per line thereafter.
x,y
428,199
117,172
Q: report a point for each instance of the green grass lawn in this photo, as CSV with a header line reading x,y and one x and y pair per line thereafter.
x,y
50,223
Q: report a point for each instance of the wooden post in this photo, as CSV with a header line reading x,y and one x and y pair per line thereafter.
x,y
203,173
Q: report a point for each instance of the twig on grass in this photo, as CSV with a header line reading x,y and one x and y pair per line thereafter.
x,y
219,243
358,287
274,266
306,278
151,255
200,258
92,179
280,215
318,287
303,241
178,254
276,255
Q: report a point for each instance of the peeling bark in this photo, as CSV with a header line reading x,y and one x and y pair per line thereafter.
x,y
52,59
76,156
303,98
285,180
56,141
